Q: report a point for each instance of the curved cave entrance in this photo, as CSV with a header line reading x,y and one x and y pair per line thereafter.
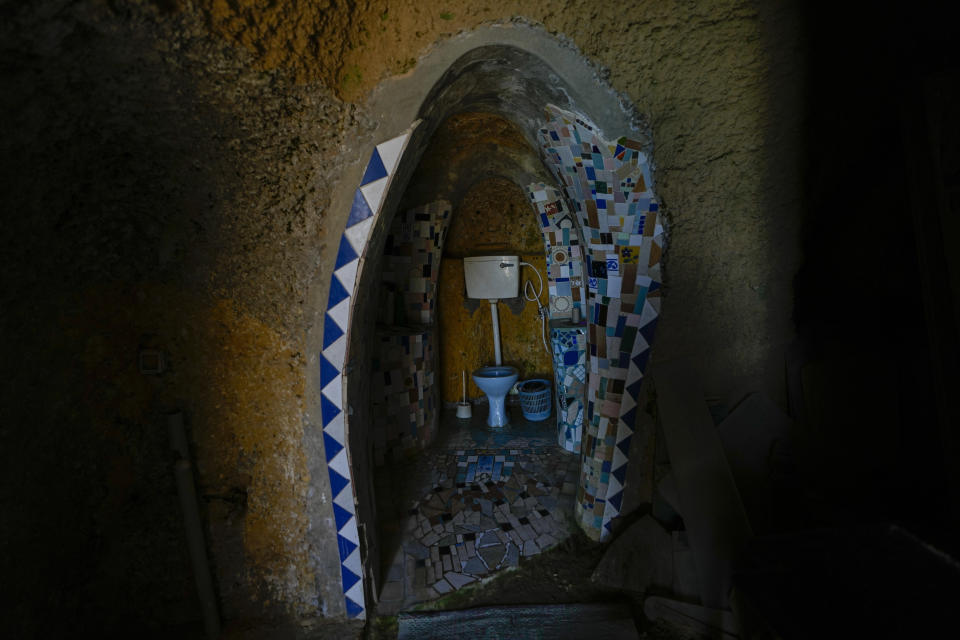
x,y
455,500
499,156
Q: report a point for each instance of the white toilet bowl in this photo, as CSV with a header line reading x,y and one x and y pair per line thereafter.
x,y
495,382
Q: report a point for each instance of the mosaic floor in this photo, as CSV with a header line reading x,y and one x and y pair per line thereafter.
x,y
473,504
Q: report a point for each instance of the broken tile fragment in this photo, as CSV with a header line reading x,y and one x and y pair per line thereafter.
x,y
492,555
458,580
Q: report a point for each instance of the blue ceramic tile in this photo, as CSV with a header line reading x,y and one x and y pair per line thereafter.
x,y
648,329
337,483
330,447
349,578
617,499
346,253
345,546
328,410
624,445
375,169
337,293
353,609
341,516
620,474
331,330
359,210
327,371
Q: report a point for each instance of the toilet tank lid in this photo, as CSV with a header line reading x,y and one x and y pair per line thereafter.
x,y
498,258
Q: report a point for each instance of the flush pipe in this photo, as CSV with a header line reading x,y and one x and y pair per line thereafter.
x,y
498,360
534,296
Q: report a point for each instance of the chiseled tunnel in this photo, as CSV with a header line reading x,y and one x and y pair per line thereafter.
x,y
245,341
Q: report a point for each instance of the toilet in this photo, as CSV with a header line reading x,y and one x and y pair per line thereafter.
x,y
493,278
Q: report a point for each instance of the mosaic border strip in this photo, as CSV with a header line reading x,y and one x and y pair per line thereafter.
x,y
367,201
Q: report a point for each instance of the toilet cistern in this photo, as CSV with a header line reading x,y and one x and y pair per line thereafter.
x,y
493,278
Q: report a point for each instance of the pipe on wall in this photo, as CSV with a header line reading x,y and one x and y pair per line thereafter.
x,y
183,472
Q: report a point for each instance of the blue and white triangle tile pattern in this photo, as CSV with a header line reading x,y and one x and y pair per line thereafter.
x,y
364,210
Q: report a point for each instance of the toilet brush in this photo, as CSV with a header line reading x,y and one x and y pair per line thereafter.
x,y
463,407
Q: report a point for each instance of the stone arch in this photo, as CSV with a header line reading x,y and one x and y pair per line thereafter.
x,y
505,73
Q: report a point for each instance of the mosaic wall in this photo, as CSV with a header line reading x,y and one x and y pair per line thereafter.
x,y
611,189
570,370
365,209
562,241
411,264
402,392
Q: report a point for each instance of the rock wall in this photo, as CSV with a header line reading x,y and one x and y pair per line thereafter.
x,y
158,193
169,169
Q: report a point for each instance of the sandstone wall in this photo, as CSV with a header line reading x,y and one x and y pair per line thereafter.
x,y
168,169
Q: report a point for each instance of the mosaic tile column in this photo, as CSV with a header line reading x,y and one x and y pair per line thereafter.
x,y
611,188
563,243
570,369
367,201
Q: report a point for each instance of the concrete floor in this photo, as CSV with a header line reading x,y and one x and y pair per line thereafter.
x,y
471,506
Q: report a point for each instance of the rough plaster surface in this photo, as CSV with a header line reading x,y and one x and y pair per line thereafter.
x,y
176,175
167,196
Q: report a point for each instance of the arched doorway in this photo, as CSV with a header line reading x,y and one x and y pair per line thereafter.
x,y
607,189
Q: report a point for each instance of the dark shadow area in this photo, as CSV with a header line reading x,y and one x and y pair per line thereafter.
x,y
873,375
102,189
869,391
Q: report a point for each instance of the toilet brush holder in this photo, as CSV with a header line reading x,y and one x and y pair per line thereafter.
x,y
464,410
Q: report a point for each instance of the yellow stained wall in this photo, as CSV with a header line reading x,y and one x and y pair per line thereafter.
x,y
494,215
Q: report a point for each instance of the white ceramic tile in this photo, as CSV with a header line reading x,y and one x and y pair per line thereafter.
x,y
618,459
374,192
614,487
633,374
353,563
613,286
640,344
335,429
347,275
623,431
356,594
334,392
336,352
648,314
341,313
643,256
391,150
345,500
357,235
349,531
340,463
